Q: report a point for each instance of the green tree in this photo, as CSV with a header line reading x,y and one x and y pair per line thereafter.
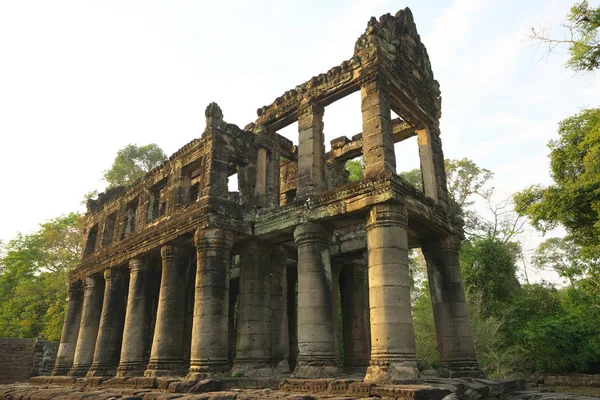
x,y
573,201
133,162
414,177
356,169
496,357
467,180
424,326
563,256
464,179
33,278
557,330
489,267
583,37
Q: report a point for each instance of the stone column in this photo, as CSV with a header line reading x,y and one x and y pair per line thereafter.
x,y
234,291
110,331
311,151
260,189
353,287
292,312
211,302
280,339
316,336
166,356
70,332
93,289
452,324
138,319
273,171
433,170
378,141
336,174
336,269
246,185
253,351
392,333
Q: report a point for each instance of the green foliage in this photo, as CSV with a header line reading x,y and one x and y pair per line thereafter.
x,y
496,358
413,177
425,336
489,267
466,179
563,256
584,49
574,199
356,169
132,163
33,278
557,331
583,37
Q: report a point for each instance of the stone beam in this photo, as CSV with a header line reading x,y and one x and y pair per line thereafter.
x,y
323,90
356,198
344,149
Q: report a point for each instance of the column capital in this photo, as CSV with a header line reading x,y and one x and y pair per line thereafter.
x,y
113,273
170,251
279,254
255,246
446,243
213,237
92,281
312,232
309,109
75,289
354,271
137,264
387,215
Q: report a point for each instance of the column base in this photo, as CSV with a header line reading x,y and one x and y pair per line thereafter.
x,y
308,370
130,369
207,368
97,371
156,369
60,371
259,369
79,370
393,372
464,369
356,365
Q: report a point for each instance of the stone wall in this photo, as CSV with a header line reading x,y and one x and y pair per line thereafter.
x,y
20,359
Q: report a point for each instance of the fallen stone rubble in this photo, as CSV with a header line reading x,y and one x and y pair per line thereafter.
x,y
47,388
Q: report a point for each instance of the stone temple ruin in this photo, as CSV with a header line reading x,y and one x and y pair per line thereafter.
x,y
180,277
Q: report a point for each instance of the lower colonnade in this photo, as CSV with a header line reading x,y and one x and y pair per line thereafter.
x,y
183,312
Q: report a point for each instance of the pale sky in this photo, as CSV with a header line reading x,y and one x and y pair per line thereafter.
x,y
81,79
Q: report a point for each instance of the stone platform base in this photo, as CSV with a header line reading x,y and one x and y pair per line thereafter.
x,y
63,388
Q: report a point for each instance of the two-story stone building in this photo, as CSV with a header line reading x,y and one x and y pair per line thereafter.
x,y
181,277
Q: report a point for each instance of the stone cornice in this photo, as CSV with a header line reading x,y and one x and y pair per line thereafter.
x,y
201,214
